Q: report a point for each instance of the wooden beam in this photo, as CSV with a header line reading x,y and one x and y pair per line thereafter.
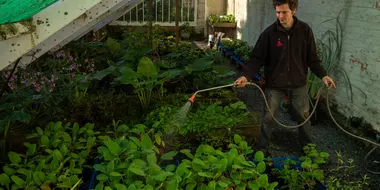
x,y
177,23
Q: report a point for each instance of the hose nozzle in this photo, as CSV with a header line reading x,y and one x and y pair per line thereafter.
x,y
191,99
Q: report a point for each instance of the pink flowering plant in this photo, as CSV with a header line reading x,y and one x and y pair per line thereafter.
x,y
70,70
32,95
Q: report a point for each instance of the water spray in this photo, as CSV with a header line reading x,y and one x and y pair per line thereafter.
x,y
191,100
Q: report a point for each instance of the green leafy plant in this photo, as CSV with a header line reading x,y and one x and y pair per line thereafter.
x,y
55,162
341,176
130,160
243,52
144,80
310,174
213,169
209,117
213,19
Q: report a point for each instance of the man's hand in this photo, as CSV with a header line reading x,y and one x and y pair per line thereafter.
x,y
328,81
241,82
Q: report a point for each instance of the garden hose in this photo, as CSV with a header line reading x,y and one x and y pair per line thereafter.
x,y
332,117
192,98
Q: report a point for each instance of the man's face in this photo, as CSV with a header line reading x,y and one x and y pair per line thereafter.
x,y
284,14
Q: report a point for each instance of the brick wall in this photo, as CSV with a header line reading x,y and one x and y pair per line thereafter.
x,y
360,51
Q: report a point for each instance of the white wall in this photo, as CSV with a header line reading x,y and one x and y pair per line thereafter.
x,y
360,51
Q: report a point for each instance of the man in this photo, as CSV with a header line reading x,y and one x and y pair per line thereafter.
x,y
286,49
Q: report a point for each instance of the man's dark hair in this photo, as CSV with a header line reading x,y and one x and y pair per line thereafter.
x,y
293,4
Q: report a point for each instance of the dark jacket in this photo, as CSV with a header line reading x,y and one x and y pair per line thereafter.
x,y
285,55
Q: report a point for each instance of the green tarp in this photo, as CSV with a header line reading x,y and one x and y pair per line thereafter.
x,y
17,10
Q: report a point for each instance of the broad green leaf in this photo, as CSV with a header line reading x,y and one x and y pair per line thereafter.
x,y
169,155
318,174
206,174
191,186
237,139
105,152
324,154
45,140
263,180
120,187
18,181
110,167
122,166
157,139
4,179
173,184
31,149
223,164
147,68
187,152
107,188
273,185
132,187
39,131
137,167
64,150
170,168
116,174
41,165
54,164
9,171
122,128
19,116
212,159
128,76
23,171
242,186
253,185
208,149
259,156
306,164
99,186
169,74
99,75
261,167
198,165
151,158
58,155
212,185
38,177
66,137
161,176
146,143
102,177
232,154
113,147
100,167
14,157
223,183
199,64
137,171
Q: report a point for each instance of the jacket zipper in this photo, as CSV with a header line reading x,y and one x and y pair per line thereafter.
x,y
288,52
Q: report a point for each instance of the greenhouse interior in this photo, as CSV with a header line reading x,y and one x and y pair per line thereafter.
x,y
189,94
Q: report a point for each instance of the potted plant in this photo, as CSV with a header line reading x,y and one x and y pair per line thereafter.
x,y
185,30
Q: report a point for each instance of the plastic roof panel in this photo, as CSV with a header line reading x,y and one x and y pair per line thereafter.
x,y
18,10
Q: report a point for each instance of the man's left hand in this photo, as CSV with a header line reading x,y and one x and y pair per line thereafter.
x,y
328,81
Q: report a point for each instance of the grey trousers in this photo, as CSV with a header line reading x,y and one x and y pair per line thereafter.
x,y
299,101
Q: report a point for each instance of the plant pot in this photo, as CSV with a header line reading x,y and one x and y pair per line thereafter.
x,y
185,35
224,25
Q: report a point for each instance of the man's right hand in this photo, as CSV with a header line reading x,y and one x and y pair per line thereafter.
x,y
240,82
